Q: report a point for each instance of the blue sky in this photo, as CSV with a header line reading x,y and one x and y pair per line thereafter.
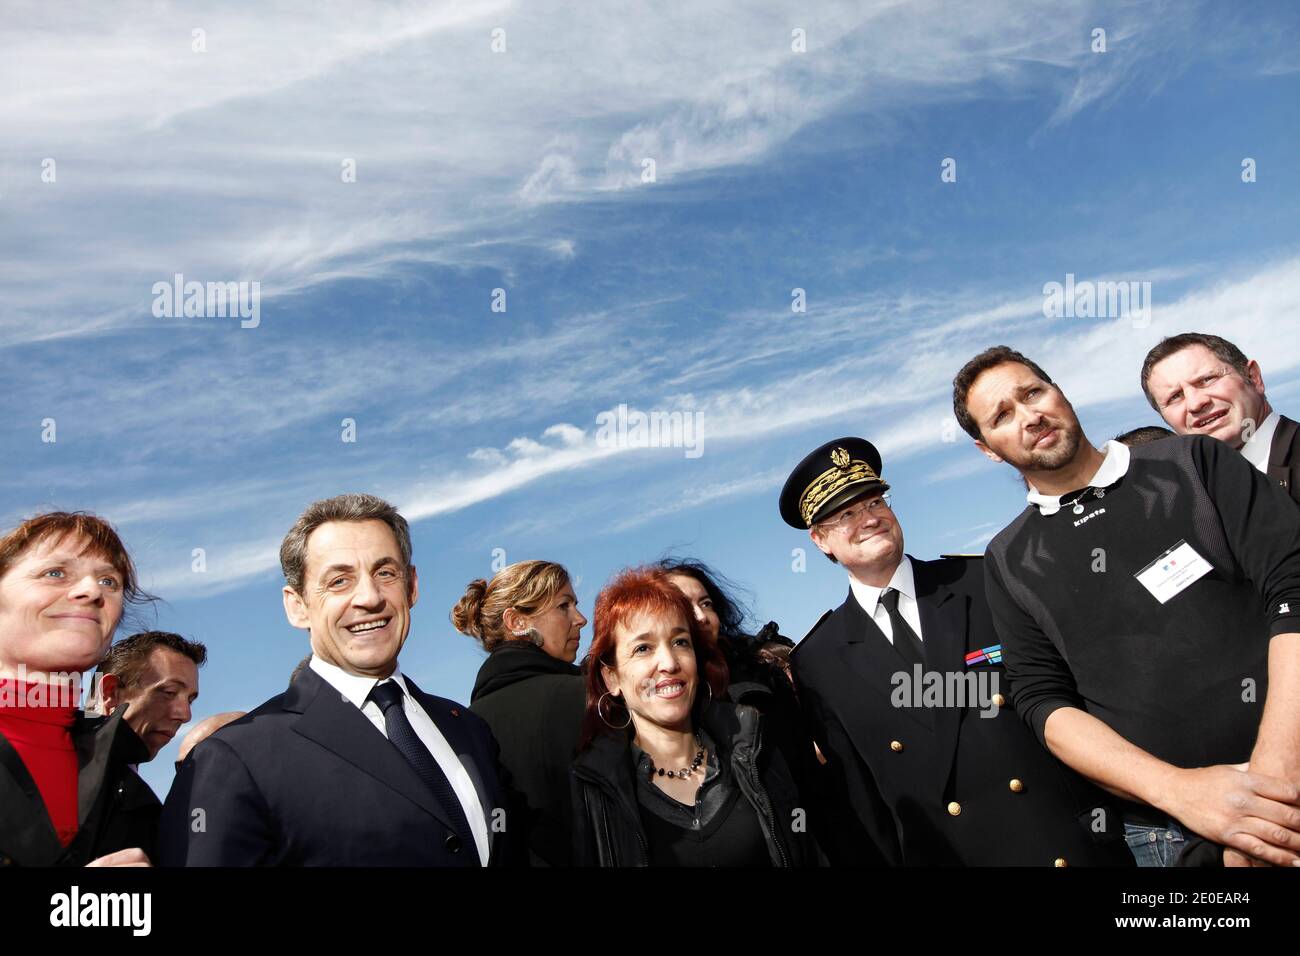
x,y
522,170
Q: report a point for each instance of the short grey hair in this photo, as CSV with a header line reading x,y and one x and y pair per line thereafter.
x,y
351,507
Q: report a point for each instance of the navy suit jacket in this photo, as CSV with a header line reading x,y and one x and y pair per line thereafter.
x,y
1284,457
307,780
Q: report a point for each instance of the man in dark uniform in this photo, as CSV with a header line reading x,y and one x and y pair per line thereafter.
x,y
903,684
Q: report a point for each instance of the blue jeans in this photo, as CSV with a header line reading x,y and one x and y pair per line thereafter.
x,y
1154,846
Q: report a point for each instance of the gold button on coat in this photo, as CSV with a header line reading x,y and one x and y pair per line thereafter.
x,y
999,700
896,746
1016,785
954,808
1060,861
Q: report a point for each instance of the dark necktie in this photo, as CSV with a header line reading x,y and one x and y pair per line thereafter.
x,y
403,736
906,641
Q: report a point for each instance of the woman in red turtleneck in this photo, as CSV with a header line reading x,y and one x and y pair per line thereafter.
x,y
67,793
37,717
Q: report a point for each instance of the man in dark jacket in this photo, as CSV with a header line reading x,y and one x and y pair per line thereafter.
x,y
1202,384
153,677
928,764
353,765
533,703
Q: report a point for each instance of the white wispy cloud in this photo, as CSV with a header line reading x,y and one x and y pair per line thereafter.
x,y
228,164
242,173
697,496
908,407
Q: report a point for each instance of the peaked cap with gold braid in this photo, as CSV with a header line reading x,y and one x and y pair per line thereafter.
x,y
828,479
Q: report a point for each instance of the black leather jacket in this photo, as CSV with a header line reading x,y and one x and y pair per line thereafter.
x,y
607,821
117,810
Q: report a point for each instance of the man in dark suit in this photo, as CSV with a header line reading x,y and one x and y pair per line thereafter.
x,y
903,684
353,765
1202,384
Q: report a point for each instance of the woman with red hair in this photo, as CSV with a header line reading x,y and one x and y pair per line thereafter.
x,y
668,772
68,795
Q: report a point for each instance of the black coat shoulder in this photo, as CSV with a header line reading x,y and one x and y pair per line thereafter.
x,y
961,574
535,710
809,640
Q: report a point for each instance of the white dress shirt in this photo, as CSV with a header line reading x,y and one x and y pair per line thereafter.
x,y
868,598
1256,450
356,689
1113,468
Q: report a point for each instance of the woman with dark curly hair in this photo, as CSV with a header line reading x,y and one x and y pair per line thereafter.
x,y
670,773
756,677
759,667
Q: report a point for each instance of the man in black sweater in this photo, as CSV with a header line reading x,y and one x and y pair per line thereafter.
x,y
1146,599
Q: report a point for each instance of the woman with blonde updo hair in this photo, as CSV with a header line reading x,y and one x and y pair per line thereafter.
x,y
529,601
529,692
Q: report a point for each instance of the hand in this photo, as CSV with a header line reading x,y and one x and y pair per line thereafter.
x,y
1253,814
1236,858
1274,765
1263,764
132,857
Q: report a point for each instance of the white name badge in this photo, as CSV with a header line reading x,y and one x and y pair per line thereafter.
x,y
1174,570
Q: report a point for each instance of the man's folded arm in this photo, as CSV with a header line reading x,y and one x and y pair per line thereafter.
x,y
1262,526
1277,746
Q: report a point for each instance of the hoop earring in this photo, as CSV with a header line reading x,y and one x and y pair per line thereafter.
x,y
700,707
601,714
